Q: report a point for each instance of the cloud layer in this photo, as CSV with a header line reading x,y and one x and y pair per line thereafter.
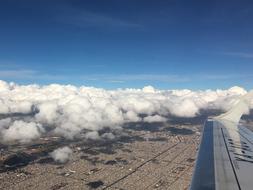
x,y
69,111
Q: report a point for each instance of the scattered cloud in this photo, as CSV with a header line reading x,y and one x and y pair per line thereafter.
x,y
22,131
154,118
62,155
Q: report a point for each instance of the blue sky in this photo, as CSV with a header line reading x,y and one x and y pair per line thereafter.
x,y
128,43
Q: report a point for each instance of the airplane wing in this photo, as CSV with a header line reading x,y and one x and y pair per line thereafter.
x,y
225,156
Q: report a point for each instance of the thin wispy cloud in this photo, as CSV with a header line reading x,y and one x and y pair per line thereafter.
x,y
170,78
97,66
116,81
239,54
84,19
12,74
137,77
9,64
111,78
28,74
224,76
17,73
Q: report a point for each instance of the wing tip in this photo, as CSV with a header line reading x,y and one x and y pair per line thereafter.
x,y
235,113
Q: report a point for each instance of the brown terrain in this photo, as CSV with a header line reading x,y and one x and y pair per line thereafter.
x,y
143,156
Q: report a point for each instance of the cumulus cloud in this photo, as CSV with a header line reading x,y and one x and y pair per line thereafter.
x,y
5,123
62,155
48,113
109,136
149,89
184,107
154,118
92,135
21,131
69,111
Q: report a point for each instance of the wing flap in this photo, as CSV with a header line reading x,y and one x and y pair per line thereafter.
x,y
224,174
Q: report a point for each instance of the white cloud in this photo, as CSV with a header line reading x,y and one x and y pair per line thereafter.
x,y
70,110
92,135
154,118
184,107
5,123
48,113
149,89
21,131
108,136
4,109
62,155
